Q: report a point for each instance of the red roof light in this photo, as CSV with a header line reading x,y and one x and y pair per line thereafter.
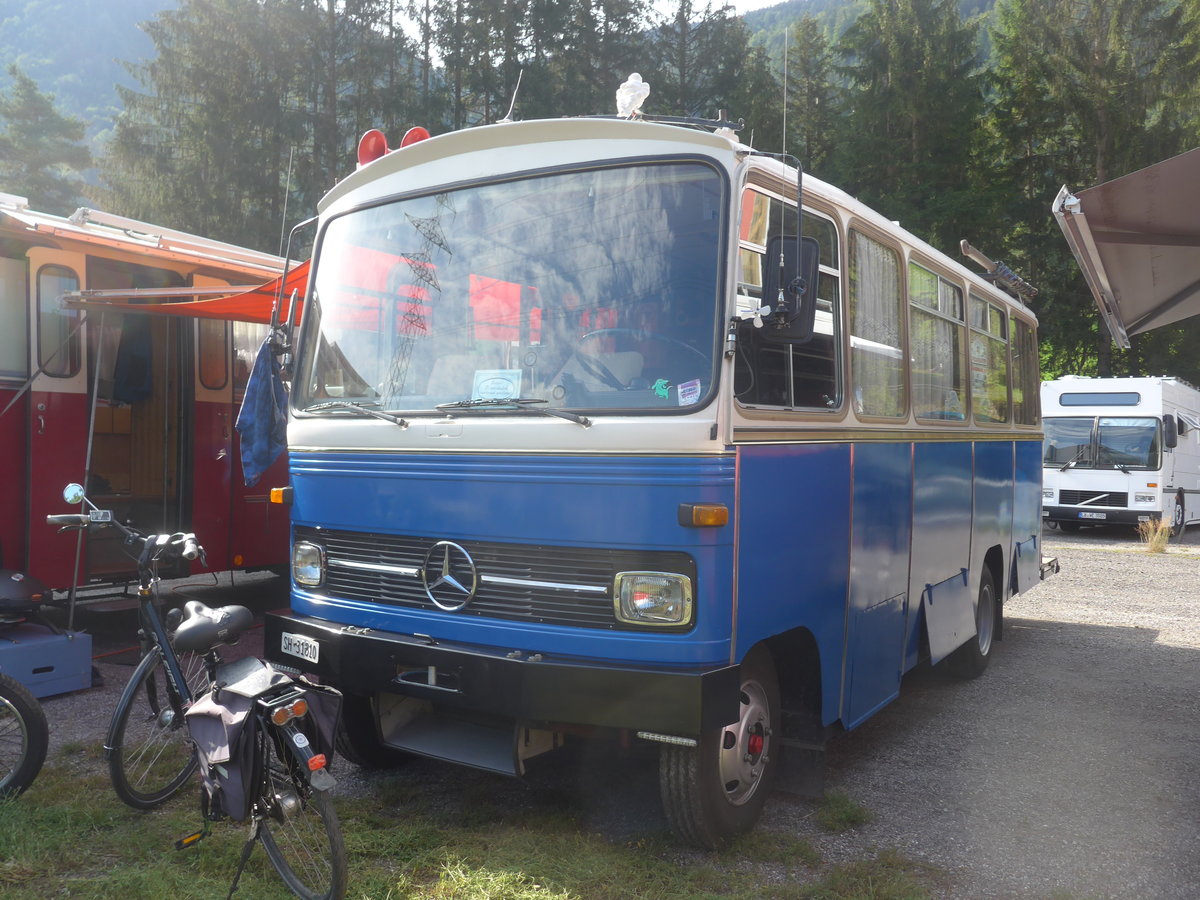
x,y
371,146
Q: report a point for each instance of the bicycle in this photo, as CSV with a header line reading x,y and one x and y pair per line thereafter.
x,y
24,737
262,739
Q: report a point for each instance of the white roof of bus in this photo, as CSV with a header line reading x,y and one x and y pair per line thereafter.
x,y
491,138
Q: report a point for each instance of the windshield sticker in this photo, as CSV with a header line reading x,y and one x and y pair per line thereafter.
x,y
661,388
497,384
689,392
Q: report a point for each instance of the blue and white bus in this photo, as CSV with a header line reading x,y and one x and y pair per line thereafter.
x,y
564,457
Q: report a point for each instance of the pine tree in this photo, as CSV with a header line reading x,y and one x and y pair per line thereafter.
x,y
813,99
42,155
1087,91
915,103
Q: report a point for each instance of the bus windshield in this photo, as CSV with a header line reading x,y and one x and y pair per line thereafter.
x,y
593,290
1107,442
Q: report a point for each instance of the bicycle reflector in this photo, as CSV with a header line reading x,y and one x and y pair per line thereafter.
x,y
316,761
281,715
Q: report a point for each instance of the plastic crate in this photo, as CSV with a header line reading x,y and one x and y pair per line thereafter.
x,y
45,662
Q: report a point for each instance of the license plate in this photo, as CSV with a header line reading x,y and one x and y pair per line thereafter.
x,y
1093,515
298,645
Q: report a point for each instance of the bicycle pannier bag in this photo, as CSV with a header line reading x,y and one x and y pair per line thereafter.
x,y
224,737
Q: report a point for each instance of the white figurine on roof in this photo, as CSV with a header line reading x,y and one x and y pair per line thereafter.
x,y
631,95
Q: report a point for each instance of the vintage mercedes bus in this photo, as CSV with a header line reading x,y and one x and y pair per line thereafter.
x,y
590,430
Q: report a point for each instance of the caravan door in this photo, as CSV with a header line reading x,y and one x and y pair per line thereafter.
x,y
58,410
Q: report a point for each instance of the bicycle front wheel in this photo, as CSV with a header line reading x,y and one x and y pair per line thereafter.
x,y
149,754
23,737
300,831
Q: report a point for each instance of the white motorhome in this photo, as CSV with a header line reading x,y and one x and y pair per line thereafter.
x,y
1120,451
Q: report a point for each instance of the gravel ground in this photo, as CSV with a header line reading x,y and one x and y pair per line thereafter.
x,y
1071,768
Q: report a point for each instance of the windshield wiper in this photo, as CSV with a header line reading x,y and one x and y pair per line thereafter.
x,y
1074,459
362,406
518,403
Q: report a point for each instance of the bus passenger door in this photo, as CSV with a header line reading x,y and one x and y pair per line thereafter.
x,y
58,410
213,465
879,560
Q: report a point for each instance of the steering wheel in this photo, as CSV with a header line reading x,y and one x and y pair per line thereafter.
x,y
598,370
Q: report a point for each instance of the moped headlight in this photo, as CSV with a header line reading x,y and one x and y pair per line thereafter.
x,y
308,563
653,598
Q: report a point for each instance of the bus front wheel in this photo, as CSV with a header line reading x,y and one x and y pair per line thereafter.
x,y
715,791
1178,518
969,660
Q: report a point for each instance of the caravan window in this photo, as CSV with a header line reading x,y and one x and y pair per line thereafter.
x,y
14,352
58,337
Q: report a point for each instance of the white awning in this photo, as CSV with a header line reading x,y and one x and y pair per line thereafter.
x,y
1137,240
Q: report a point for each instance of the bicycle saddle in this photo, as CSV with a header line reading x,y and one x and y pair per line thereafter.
x,y
204,628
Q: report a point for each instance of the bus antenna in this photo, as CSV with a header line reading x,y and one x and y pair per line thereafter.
x,y
512,105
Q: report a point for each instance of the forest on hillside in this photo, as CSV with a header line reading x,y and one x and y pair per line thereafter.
x,y
959,119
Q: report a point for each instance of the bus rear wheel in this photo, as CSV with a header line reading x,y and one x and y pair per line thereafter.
x,y
715,791
1178,518
970,660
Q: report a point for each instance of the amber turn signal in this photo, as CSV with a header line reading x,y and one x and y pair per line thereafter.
x,y
703,515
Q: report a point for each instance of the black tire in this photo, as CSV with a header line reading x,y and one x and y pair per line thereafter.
x,y
358,740
150,757
971,659
715,791
23,737
1179,518
300,830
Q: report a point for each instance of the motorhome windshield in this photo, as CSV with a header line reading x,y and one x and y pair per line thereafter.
x,y
590,290
1104,442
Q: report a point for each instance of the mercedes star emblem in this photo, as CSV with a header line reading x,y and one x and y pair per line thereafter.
x,y
449,576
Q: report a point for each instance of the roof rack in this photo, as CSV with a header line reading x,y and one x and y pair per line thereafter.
x,y
999,274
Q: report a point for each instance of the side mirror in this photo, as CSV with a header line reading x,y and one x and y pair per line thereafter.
x,y
73,494
794,323
1170,432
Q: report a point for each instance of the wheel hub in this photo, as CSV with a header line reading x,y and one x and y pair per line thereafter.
x,y
745,745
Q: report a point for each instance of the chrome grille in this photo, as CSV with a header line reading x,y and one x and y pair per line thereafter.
x,y
1094,498
545,584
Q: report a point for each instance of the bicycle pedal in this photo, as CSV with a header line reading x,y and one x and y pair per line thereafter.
x,y
189,840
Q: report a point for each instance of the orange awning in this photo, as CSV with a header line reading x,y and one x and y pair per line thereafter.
x,y
246,305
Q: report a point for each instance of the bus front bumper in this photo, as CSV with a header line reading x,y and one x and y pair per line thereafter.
x,y
531,688
1085,516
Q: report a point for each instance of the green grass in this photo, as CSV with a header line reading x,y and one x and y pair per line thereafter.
x,y
838,813
69,836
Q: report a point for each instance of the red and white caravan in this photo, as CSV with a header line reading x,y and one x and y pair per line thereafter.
x,y
140,408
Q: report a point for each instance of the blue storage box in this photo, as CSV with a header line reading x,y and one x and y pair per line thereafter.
x,y
45,662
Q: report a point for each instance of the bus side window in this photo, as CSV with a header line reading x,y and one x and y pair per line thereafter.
x,y
771,374
876,329
1026,386
989,362
939,378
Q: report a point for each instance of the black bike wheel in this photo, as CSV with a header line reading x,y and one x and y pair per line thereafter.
x,y
149,755
23,737
300,831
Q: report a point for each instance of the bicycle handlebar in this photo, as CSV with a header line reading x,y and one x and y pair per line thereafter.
x,y
68,519
154,546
